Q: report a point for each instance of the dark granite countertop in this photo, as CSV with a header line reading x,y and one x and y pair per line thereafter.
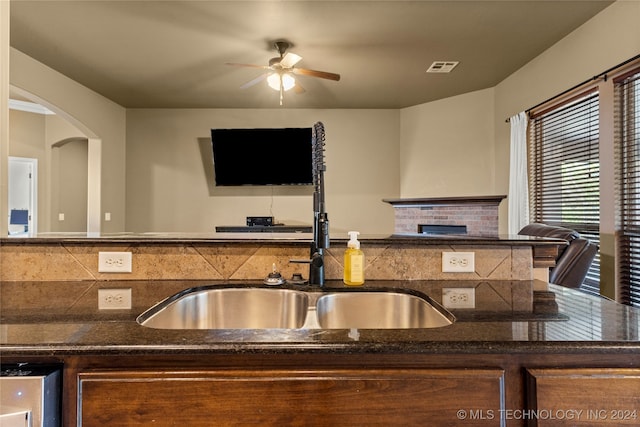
x,y
509,317
278,238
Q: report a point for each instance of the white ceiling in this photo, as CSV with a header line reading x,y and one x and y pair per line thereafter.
x,y
172,54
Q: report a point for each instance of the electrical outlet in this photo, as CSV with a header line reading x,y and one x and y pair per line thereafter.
x,y
114,299
458,262
114,262
459,297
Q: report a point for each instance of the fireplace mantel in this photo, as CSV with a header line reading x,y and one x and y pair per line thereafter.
x,y
446,201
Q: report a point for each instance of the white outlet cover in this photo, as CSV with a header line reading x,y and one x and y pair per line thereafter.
x,y
114,262
458,262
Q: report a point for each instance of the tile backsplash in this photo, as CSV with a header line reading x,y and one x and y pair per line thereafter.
x,y
251,261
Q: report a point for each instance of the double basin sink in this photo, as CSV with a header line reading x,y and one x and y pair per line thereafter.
x,y
214,307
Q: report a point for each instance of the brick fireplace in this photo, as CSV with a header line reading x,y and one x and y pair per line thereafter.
x,y
474,216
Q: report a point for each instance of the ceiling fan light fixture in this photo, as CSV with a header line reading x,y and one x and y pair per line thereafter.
x,y
275,79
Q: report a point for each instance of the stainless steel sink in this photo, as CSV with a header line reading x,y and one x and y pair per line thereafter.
x,y
229,308
275,308
379,310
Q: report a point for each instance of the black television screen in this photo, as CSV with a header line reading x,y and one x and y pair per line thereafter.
x,y
262,156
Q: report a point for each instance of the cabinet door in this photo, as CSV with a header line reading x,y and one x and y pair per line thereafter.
x,y
600,396
292,398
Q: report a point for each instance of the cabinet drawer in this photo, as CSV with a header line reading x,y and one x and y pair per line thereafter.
x,y
583,396
283,397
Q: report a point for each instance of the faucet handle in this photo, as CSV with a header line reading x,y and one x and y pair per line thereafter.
x,y
297,279
317,260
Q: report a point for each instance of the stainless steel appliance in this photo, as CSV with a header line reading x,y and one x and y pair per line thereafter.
x,y
30,395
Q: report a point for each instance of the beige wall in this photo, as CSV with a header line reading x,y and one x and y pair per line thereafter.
x,y
26,139
69,174
170,182
66,189
4,115
62,180
94,115
446,147
26,135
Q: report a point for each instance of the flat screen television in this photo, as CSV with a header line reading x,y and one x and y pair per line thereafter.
x,y
279,156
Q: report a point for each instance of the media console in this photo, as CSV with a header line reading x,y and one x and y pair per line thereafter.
x,y
264,229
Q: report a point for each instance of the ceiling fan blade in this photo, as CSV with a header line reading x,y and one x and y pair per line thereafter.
x,y
235,64
254,81
315,73
289,60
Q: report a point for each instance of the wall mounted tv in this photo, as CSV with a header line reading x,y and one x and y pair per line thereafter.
x,y
262,156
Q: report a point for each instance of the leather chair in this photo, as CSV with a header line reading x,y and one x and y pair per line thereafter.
x,y
573,261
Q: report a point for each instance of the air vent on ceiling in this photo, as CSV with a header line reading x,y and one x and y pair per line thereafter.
x,y
442,66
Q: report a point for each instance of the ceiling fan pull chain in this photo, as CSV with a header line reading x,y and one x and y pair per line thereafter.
x,y
281,90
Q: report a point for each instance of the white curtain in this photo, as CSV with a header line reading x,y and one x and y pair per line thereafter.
x,y
518,176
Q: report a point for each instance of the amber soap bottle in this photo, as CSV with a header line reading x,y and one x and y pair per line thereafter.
x,y
353,261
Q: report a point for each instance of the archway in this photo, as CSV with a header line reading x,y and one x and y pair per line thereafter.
x,y
93,164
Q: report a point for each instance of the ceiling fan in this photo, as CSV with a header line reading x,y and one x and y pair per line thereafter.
x,y
280,71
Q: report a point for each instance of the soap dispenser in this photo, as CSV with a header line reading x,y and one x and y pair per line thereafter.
x,y
353,261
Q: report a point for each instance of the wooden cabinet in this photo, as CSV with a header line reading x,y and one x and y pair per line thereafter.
x,y
360,389
368,397
583,396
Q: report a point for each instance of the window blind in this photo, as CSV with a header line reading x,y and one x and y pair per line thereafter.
x,y
565,171
627,124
